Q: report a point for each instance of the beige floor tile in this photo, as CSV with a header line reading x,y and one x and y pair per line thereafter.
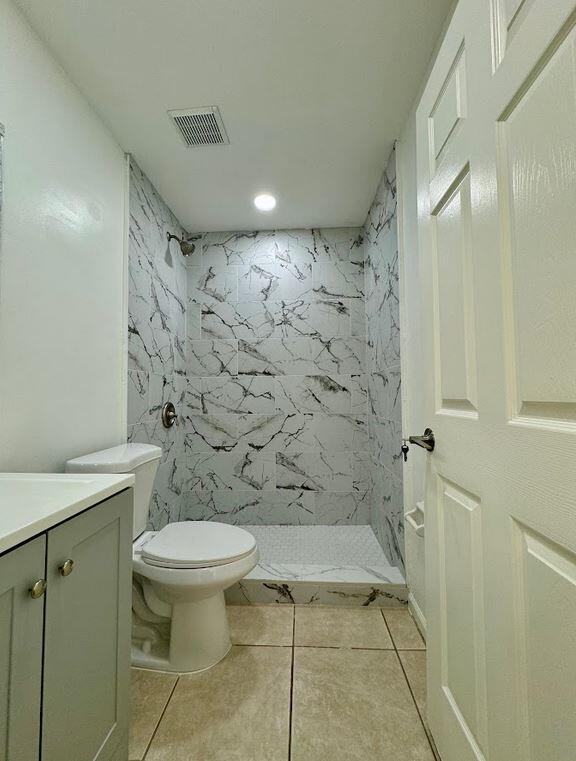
x,y
414,663
150,691
403,630
354,705
237,711
341,627
261,624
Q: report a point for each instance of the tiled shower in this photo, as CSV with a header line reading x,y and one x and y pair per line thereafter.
x,y
280,350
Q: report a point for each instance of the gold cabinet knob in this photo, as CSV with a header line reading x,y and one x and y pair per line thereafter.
x,y
37,589
66,568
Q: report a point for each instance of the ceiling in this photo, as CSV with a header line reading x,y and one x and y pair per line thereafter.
x,y
312,94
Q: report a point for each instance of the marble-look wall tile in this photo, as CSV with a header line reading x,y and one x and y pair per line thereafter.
x,y
194,323
280,281
388,514
268,244
211,433
299,391
138,396
382,217
253,321
383,367
384,394
149,349
211,358
324,318
169,477
342,280
321,393
383,335
162,389
348,508
239,507
277,433
341,432
193,401
301,356
338,244
250,321
227,248
241,468
257,433
340,355
385,444
288,395
157,324
259,282
322,471
258,591
357,318
295,319
253,394
315,246
296,280
212,283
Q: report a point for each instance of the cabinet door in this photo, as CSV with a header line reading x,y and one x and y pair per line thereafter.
x,y
87,634
21,620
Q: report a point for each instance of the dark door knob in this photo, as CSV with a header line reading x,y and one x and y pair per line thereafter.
x,y
427,441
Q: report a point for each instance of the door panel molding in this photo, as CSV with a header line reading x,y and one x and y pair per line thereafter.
x,y
507,18
455,370
448,111
536,160
545,614
463,652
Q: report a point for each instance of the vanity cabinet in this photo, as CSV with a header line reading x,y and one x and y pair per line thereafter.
x,y
65,655
21,624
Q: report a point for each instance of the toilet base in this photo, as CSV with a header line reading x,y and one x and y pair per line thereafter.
x,y
156,662
199,638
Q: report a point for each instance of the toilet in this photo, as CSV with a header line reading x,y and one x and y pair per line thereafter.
x,y
179,573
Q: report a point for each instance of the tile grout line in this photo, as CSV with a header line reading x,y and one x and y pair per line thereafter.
x,y
259,644
408,681
161,717
346,647
426,730
291,684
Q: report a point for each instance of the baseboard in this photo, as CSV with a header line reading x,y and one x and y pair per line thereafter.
x,y
417,614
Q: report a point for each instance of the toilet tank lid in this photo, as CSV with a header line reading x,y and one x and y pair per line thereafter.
x,y
121,459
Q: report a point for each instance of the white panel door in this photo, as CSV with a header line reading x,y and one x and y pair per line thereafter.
x,y
497,219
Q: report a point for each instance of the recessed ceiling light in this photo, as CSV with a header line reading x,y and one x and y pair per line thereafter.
x,y
265,202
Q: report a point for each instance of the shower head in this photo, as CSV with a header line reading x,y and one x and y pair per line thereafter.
x,y
186,247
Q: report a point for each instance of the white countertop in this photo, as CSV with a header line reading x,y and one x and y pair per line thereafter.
x,y
31,503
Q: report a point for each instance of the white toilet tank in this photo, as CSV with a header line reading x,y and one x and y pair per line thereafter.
x,y
140,459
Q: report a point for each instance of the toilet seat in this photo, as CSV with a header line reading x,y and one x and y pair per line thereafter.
x,y
197,544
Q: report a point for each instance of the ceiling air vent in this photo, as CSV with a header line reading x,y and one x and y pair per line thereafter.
x,y
200,126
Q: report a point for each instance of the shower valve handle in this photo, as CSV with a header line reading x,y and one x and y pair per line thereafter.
x,y
168,415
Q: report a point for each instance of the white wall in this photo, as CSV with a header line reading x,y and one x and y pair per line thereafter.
x,y
412,349
413,413
62,329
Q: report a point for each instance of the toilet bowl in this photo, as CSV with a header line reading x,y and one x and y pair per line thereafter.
x,y
180,572
184,570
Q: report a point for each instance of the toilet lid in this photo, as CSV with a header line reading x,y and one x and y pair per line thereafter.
x,y
197,544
